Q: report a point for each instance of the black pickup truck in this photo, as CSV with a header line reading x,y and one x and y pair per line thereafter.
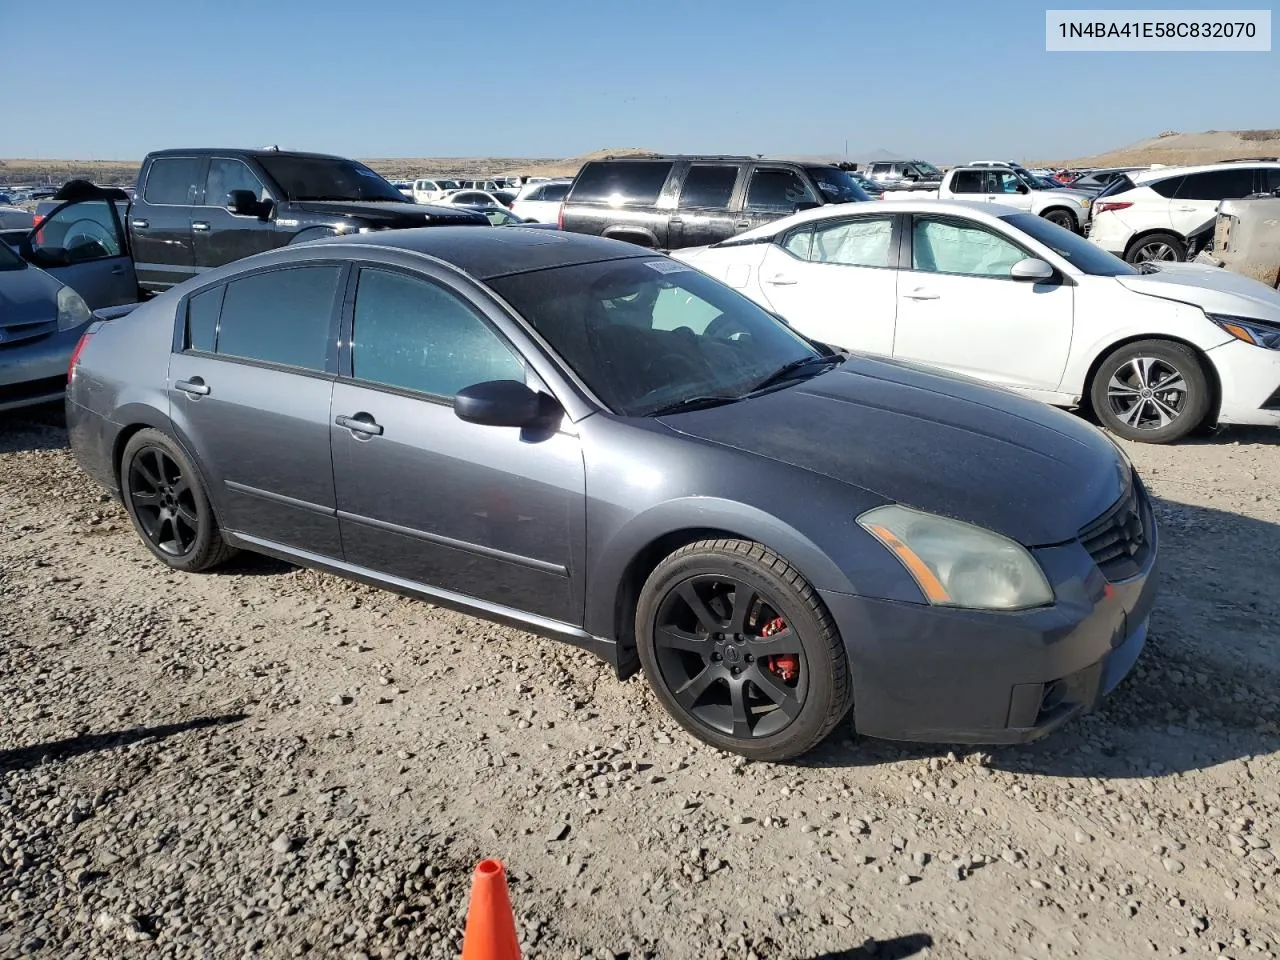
x,y
197,209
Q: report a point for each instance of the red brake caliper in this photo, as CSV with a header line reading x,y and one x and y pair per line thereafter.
x,y
785,665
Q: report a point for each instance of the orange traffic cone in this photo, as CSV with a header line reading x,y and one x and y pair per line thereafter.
x,y
491,926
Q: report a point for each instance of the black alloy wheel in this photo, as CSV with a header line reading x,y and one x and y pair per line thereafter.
x,y
168,505
163,502
741,650
728,658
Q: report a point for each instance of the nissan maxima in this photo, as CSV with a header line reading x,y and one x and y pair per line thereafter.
x,y
591,441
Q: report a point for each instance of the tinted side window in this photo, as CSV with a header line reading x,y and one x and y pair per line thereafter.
x,y
708,186
202,319
173,180
635,182
1271,179
554,192
280,317
968,181
226,175
1217,185
1167,188
413,334
777,190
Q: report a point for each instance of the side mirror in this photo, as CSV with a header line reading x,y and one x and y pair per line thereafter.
x,y
1022,188
1032,270
498,403
243,203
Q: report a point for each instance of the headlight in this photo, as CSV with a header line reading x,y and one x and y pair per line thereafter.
x,y
72,310
1085,203
957,564
1260,333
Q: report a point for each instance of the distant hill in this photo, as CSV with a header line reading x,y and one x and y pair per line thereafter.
x,y
1181,149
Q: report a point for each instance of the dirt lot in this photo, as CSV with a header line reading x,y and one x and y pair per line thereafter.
x,y
272,762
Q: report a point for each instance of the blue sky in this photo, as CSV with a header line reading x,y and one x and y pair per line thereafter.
x,y
558,78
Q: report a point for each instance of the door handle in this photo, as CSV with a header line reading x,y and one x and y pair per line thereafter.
x,y
675,220
920,293
200,226
780,280
196,387
360,423
743,223
139,224
1186,209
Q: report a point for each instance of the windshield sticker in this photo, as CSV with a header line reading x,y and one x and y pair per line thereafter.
x,y
666,266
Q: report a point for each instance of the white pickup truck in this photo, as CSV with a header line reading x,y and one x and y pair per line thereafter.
x,y
1010,186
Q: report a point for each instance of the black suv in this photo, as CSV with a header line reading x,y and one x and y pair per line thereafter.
x,y
672,202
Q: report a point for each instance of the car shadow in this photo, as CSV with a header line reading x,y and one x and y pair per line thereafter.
x,y
33,428
246,564
21,758
1204,690
895,948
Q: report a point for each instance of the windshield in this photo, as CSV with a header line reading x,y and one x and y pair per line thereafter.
x,y
10,260
448,185
644,334
837,186
1080,253
929,170
328,178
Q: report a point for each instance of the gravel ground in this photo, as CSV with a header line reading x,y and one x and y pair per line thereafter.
x,y
272,762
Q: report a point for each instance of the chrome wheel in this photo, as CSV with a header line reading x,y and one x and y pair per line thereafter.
x,y
1158,251
1147,393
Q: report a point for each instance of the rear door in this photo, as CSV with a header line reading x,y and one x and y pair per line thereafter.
x,y
250,384
1198,195
82,243
703,209
160,221
773,193
836,281
219,236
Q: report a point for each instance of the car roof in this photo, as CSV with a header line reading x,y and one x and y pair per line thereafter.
x,y
487,253
1161,173
254,152
975,209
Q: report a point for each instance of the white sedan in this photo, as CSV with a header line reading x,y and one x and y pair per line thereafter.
x,y
1007,297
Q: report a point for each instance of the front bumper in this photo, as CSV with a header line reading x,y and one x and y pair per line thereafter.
x,y
938,674
1250,379
35,371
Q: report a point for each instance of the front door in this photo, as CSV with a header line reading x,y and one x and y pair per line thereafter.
x,y
219,236
82,243
1003,186
493,514
959,309
773,193
702,214
160,221
250,392
836,281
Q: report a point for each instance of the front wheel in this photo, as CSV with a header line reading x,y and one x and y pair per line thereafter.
x,y
1154,391
1062,218
741,650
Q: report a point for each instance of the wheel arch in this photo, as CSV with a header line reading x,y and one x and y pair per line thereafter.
x,y
627,233
1144,234
1063,208
1210,371
146,418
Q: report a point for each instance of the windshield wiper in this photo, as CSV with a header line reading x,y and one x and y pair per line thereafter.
x,y
785,371
695,403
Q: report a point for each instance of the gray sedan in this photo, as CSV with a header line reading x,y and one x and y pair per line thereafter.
x,y
591,441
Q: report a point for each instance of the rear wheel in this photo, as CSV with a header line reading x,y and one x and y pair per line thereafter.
x,y
741,650
1154,391
167,503
1156,247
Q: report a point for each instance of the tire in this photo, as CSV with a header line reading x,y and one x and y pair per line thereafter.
x,y
1159,416
735,694
168,504
1063,218
1157,247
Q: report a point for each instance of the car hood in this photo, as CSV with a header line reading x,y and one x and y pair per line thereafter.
x,y
1210,288
27,296
943,444
1069,192
390,214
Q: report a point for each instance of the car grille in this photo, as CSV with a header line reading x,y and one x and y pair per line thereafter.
x,y
31,389
14,334
1118,540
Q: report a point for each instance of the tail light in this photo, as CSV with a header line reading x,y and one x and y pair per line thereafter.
x,y
75,356
37,219
1106,205
560,218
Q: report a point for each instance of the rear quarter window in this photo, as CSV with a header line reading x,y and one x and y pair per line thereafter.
x,y
1167,188
634,182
